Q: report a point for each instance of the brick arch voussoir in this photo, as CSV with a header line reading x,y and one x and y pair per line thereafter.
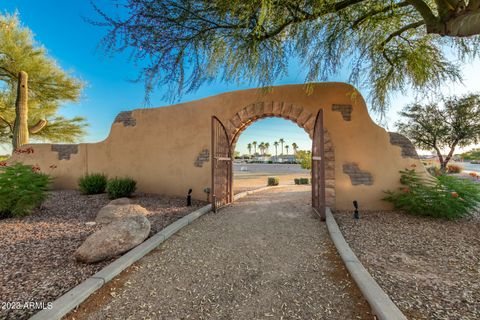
x,y
256,111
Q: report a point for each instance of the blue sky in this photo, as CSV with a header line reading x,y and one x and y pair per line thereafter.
x,y
60,27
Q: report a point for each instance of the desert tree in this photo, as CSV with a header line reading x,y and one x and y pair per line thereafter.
x,y
275,144
32,88
442,126
387,45
295,148
281,141
305,157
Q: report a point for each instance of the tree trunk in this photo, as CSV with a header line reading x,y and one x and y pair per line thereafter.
x,y
20,127
465,24
443,165
449,156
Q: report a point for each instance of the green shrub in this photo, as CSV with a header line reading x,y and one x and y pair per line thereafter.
x,y
454,168
273,181
121,187
441,197
22,189
93,183
303,180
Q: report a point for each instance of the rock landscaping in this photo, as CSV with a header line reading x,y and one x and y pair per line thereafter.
x,y
37,262
113,239
111,213
429,267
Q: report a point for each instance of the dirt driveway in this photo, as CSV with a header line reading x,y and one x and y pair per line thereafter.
x,y
265,257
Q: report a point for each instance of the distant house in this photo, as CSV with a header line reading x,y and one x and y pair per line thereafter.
x,y
283,158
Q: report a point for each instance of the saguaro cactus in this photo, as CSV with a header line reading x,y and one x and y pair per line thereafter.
x,y
20,126
21,131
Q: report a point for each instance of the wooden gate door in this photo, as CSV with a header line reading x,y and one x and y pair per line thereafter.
x,y
318,167
221,166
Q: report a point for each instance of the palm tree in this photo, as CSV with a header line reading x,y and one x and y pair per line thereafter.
x,y
249,147
276,146
267,145
281,143
295,147
262,147
254,147
286,147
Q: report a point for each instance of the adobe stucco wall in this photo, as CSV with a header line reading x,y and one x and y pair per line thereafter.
x,y
164,148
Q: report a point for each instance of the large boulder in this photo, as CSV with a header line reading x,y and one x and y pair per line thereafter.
x,y
113,239
111,213
120,201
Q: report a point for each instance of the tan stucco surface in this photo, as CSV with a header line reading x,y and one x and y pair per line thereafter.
x,y
160,149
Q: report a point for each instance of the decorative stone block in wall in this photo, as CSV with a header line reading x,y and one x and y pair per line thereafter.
x,y
344,109
204,156
408,150
357,176
65,150
126,117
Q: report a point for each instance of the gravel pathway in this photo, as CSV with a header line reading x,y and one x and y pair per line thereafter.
x,y
36,252
265,257
429,267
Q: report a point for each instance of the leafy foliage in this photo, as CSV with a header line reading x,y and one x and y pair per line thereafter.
x,y
471,155
21,190
305,158
301,180
49,85
121,187
438,127
440,197
273,181
93,183
387,45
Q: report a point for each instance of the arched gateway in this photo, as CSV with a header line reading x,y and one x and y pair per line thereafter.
x,y
225,136
169,150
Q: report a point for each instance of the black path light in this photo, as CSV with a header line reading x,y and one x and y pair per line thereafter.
x,y
189,198
356,215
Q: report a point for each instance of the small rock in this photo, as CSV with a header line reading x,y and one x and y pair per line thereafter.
x,y
113,239
90,223
111,213
119,201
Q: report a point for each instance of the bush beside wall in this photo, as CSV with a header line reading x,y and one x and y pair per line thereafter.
x,y
22,188
121,187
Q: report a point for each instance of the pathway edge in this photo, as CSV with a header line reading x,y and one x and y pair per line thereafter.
x,y
75,296
380,303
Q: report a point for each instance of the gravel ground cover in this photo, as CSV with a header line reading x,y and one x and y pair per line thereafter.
x,y
429,267
36,252
265,257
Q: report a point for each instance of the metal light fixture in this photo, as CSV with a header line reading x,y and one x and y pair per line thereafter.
x,y
356,215
189,198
